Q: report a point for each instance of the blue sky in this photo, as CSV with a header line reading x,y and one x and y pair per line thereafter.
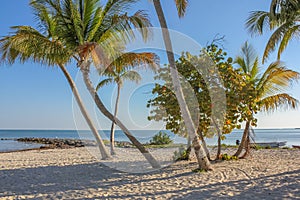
x,y
38,97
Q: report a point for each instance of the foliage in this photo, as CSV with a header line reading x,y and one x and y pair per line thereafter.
x,y
282,19
181,154
228,157
161,138
238,95
71,29
269,84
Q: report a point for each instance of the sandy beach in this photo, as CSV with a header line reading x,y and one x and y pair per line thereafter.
x,y
76,174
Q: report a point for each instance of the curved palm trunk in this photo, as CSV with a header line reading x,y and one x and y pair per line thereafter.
x,y
101,146
85,72
244,140
112,130
204,145
203,161
188,148
247,145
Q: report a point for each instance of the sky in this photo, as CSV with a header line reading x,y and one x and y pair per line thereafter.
x,y
33,96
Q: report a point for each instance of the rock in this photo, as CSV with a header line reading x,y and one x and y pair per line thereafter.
x,y
54,143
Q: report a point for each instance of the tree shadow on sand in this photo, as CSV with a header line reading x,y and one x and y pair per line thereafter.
x,y
80,180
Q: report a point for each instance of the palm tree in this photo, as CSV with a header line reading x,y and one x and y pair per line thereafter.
x,y
282,18
42,46
117,73
181,5
269,85
96,34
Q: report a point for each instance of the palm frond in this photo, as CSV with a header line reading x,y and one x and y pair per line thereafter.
x,y
120,27
279,101
128,60
44,17
104,82
254,74
131,75
181,7
277,78
108,17
241,62
257,22
248,61
286,38
26,43
275,39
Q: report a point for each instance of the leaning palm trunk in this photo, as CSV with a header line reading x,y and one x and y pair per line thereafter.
x,y
201,156
204,144
247,145
112,130
85,114
188,148
85,72
244,141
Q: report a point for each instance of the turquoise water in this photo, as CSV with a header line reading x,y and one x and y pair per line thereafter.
x,y
292,136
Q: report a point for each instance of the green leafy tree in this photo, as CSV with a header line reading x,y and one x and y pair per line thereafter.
x,y
165,107
118,72
282,18
270,86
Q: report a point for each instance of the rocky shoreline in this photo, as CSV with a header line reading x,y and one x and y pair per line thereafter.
x,y
54,142
69,143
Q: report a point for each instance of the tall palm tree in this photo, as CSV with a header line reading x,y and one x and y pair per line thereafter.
x,y
181,5
118,72
96,34
282,18
42,46
270,86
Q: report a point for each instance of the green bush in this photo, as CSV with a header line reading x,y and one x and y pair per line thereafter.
x,y
228,157
160,139
181,154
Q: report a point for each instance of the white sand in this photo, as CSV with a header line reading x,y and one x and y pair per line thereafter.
x,y
76,174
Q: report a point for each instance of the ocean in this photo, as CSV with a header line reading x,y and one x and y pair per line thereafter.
x,y
8,143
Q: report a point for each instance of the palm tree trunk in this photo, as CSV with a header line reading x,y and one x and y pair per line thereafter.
x,y
219,148
247,145
112,130
219,139
101,146
204,144
203,161
244,139
85,72
188,148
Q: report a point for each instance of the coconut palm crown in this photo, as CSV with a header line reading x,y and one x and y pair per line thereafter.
x,y
270,86
119,71
282,19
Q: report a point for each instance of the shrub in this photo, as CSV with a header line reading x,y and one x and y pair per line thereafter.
x,y
182,154
228,157
160,139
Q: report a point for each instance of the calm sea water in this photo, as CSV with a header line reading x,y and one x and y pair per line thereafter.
x,y
292,136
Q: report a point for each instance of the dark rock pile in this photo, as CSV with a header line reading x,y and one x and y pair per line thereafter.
x,y
54,142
